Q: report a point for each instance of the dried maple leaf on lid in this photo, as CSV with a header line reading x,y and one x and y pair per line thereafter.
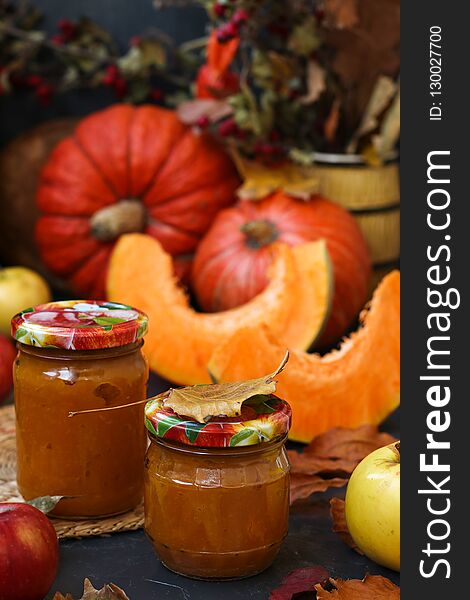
x,y
339,523
201,402
107,592
372,587
299,581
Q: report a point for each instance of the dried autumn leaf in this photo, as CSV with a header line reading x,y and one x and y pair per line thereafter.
x,y
389,130
299,581
340,526
350,444
383,93
193,110
341,14
260,180
200,402
46,503
331,458
331,123
303,486
372,587
304,38
316,84
108,592
309,464
365,52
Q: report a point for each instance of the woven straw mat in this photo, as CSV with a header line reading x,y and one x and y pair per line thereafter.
x,y
65,528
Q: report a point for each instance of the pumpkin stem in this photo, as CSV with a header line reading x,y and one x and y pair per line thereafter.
x,y
126,216
259,233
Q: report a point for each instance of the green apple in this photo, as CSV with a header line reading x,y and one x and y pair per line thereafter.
x,y
20,288
373,506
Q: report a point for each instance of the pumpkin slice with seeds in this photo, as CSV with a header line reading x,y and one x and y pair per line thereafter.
x,y
349,387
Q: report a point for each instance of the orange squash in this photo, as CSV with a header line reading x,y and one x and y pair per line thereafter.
x,y
357,384
124,169
180,341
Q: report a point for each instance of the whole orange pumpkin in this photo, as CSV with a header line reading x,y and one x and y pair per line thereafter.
x,y
232,260
128,169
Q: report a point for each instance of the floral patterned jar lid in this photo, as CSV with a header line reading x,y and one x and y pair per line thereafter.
x,y
262,419
79,325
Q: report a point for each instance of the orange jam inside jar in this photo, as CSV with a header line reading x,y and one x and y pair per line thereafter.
x,y
80,356
217,493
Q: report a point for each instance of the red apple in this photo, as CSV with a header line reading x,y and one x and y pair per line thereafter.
x,y
29,552
7,356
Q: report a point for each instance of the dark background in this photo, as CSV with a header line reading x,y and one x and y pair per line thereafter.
x,y
123,19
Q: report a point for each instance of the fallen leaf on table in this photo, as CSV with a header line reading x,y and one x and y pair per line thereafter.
x,y
351,444
107,592
303,486
341,14
311,464
260,180
372,587
331,458
201,402
299,581
339,523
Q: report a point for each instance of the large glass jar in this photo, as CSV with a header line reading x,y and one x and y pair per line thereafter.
x,y
217,494
73,357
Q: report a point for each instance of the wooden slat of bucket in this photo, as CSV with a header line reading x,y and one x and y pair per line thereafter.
x,y
359,187
382,232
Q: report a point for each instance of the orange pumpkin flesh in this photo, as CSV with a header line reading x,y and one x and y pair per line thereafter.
x,y
181,341
357,384
128,169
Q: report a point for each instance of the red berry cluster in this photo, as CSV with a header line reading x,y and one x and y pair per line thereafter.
x,y
231,28
229,128
203,121
113,78
41,88
67,32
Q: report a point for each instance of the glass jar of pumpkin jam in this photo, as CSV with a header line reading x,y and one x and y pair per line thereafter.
x,y
217,494
80,356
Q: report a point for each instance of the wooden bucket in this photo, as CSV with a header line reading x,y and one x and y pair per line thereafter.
x,y
372,195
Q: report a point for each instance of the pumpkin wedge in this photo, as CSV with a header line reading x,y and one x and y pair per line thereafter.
x,y
180,341
357,384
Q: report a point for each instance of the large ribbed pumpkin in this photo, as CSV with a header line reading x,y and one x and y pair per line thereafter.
x,y
128,169
231,262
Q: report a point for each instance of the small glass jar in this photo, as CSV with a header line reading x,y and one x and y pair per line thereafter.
x,y
80,356
217,494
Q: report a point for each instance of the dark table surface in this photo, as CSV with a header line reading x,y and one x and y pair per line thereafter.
x,y
128,560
